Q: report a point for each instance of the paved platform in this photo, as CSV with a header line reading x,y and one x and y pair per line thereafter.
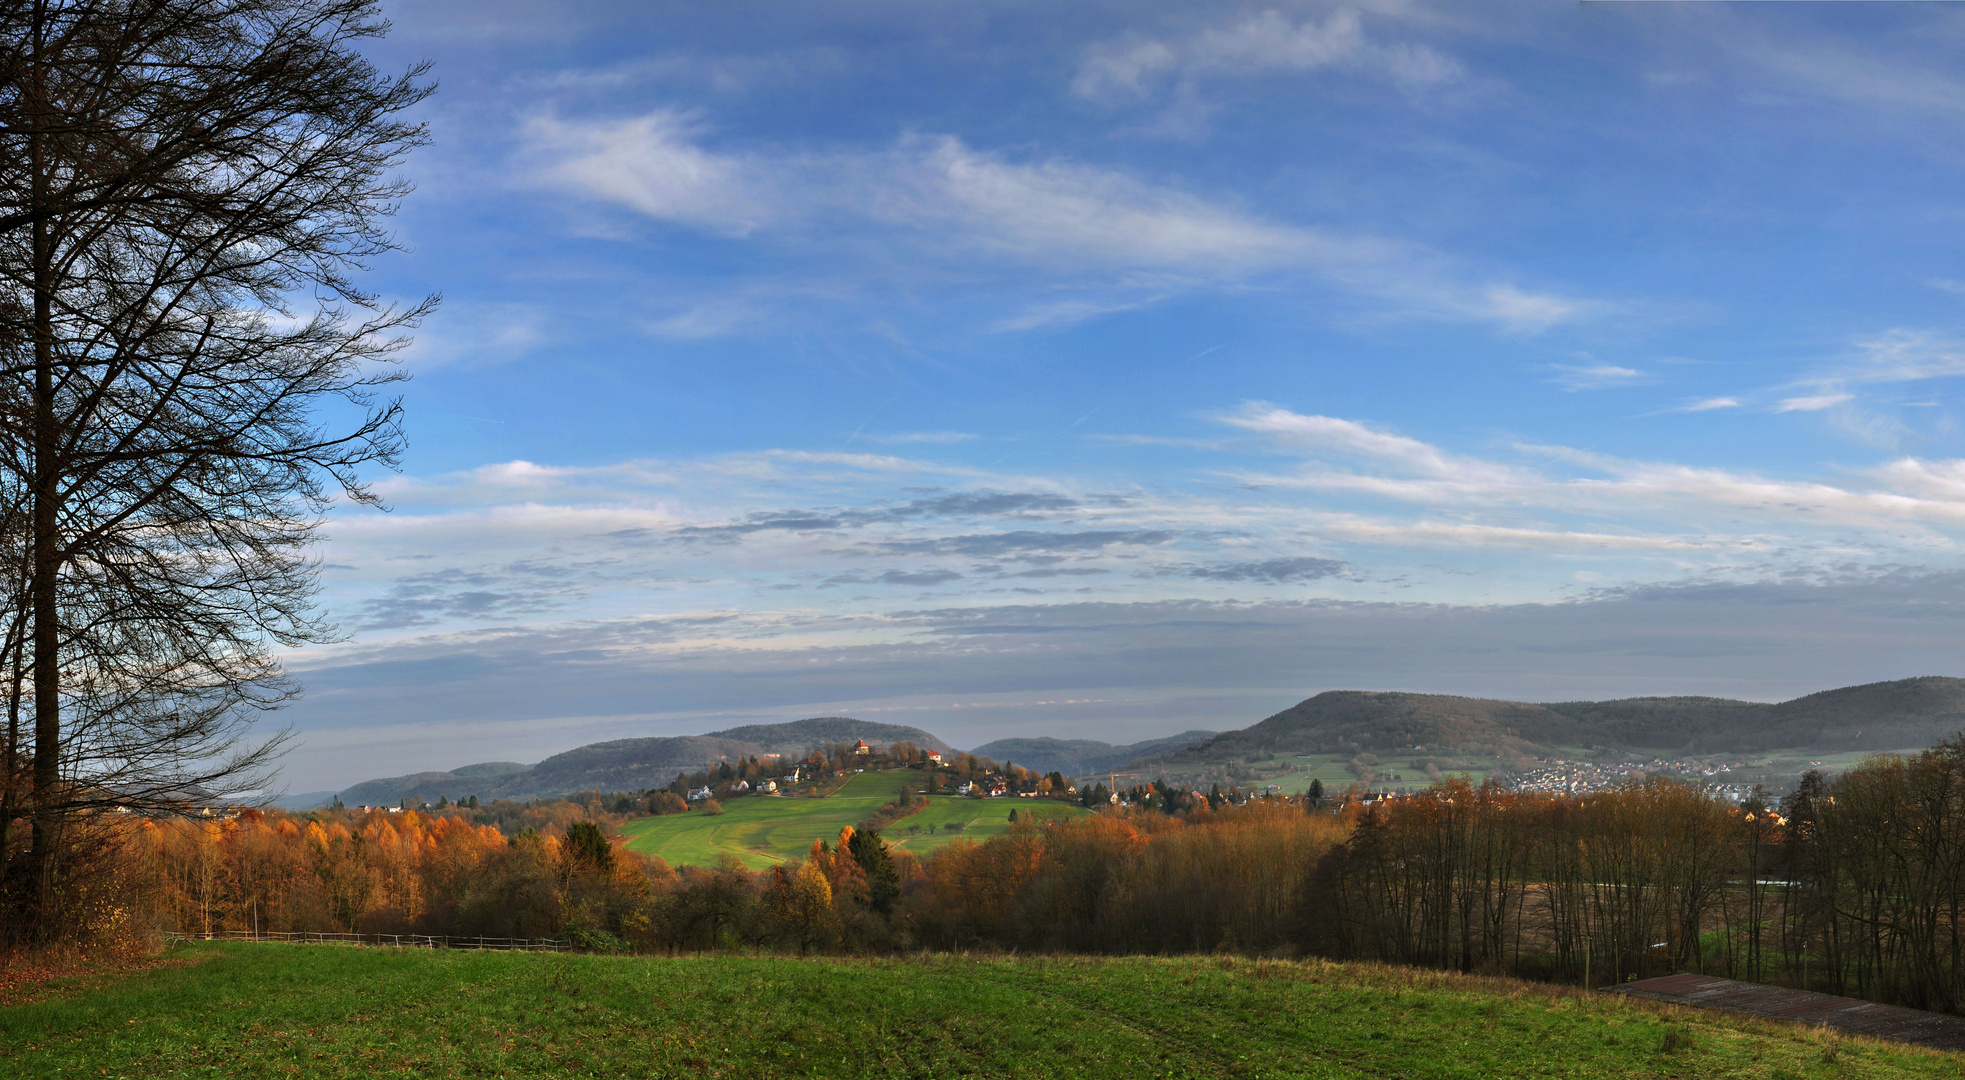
x,y
1936,1030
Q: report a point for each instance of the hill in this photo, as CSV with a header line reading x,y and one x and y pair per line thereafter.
x,y
427,786
1080,757
760,832
267,1010
628,764
1876,716
802,735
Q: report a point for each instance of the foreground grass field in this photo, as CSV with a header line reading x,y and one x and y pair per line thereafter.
x,y
762,831
332,1011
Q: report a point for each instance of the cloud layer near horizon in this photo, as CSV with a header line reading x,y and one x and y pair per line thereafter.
x,y
1319,552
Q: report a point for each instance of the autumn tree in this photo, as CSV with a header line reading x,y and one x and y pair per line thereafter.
x,y
189,190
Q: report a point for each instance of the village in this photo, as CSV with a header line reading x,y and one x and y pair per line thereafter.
x,y
1572,777
944,774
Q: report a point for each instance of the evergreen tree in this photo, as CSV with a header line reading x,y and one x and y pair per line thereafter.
x,y
883,881
585,845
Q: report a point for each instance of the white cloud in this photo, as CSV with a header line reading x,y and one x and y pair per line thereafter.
x,y
1454,535
1055,210
1120,240
1067,313
1133,67
1813,402
1595,376
1350,438
1908,356
711,319
477,333
1863,78
1414,472
1535,311
1709,404
650,164
939,437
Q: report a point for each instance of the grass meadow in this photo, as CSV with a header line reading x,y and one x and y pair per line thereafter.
x,y
239,1010
761,831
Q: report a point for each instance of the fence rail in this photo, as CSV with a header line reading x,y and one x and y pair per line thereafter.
x,y
400,941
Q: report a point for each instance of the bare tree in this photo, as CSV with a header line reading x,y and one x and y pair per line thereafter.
x,y
188,192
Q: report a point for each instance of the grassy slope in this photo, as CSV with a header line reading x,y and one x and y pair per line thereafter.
x,y
328,1011
761,831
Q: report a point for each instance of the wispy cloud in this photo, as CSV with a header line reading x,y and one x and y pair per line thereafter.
x,y
1901,355
1062,313
1134,67
935,437
1117,240
1813,402
1411,471
651,164
1595,376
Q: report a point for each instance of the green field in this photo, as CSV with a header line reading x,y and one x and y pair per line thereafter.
x,y
1330,769
242,1010
764,830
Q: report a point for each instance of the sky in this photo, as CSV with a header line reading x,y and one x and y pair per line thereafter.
x,y
1111,370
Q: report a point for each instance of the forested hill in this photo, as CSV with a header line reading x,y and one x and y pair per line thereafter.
x,y
1878,716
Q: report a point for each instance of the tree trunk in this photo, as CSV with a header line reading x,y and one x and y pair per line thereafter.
x,y
46,557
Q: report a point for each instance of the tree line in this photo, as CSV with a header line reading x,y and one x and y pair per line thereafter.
x,y
1850,885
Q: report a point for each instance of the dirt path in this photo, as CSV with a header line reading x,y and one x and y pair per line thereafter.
x,y
1935,1030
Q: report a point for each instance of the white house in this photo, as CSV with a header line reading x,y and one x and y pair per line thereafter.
x,y
699,794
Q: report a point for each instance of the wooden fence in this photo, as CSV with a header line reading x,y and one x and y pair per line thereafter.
x,y
400,941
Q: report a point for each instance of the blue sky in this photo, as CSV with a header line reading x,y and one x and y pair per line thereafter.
x,y
1109,370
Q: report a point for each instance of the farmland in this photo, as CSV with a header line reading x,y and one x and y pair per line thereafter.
x,y
761,831
1393,773
326,1011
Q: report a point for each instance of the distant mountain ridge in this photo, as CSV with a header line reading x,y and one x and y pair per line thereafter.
x,y
1876,716
1894,715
